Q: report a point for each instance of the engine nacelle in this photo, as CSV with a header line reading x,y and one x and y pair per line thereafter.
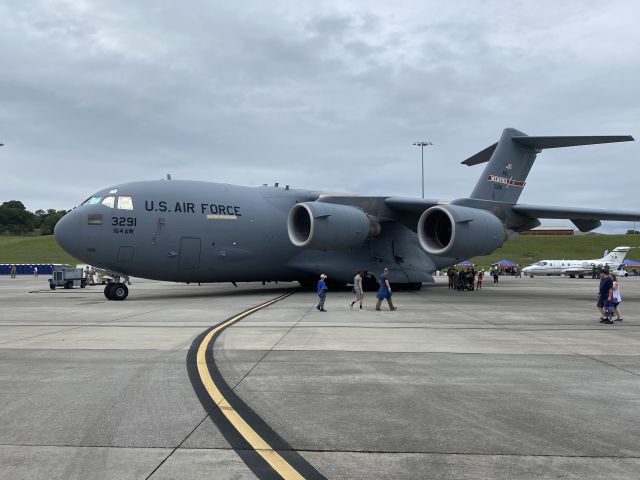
x,y
329,226
459,232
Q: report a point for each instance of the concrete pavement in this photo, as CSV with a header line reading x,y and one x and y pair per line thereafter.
x,y
515,381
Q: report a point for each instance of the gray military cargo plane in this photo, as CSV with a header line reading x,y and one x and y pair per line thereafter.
x,y
192,231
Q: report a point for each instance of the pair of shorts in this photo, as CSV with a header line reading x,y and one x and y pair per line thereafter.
x,y
358,293
601,301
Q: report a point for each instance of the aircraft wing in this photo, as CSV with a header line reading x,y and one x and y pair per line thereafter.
x,y
586,219
410,204
575,271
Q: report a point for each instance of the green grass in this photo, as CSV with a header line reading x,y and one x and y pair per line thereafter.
x,y
16,249
527,249
523,250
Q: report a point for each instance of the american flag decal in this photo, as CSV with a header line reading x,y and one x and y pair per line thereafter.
x,y
505,181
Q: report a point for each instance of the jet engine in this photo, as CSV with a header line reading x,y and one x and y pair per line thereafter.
x,y
329,226
459,232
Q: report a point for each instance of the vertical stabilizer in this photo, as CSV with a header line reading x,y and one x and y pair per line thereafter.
x,y
615,257
506,172
511,159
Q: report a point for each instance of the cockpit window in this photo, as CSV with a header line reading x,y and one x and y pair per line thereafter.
x,y
125,203
109,202
92,201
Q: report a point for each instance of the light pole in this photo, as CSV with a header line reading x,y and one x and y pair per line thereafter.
x,y
422,145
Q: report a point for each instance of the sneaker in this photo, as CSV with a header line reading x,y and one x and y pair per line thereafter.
x,y
603,320
609,322
351,306
322,310
618,319
361,309
318,308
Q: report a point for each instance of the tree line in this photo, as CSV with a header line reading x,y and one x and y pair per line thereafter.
x,y
15,219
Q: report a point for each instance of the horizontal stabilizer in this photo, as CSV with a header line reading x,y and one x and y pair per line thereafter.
x,y
481,157
557,142
540,143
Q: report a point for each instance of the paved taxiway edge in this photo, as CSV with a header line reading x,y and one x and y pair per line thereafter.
x,y
262,450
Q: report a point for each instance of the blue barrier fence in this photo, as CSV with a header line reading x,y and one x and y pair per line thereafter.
x,y
26,268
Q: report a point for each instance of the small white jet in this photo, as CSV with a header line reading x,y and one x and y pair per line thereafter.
x,y
578,268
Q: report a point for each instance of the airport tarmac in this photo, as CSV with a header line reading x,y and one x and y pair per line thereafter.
x,y
516,381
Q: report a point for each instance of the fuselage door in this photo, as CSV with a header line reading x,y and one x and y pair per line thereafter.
x,y
189,253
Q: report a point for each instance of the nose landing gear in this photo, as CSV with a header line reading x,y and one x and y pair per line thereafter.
x,y
117,290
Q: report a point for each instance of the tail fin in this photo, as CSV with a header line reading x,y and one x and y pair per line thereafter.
x,y
615,257
511,159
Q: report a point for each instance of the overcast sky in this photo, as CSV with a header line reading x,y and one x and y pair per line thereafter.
x,y
325,95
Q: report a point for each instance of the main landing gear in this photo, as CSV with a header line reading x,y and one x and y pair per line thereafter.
x,y
116,291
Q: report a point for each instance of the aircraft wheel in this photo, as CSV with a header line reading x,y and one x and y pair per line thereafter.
x,y
52,286
107,291
531,276
119,291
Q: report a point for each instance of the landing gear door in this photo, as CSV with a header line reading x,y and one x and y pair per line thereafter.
x,y
189,253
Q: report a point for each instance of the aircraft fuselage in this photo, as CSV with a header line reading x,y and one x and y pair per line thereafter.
x,y
189,231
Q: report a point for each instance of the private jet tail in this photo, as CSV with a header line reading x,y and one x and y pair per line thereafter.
x,y
511,158
615,257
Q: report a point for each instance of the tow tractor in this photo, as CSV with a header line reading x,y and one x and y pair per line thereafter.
x,y
67,276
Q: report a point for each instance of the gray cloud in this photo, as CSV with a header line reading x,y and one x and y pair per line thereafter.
x,y
329,95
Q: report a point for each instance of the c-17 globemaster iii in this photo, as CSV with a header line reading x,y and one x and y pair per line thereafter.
x,y
193,231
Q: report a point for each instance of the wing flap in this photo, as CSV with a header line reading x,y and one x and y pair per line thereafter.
x,y
586,219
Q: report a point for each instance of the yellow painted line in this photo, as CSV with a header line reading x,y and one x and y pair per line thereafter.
x,y
273,458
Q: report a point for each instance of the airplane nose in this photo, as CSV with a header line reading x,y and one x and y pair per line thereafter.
x,y
69,235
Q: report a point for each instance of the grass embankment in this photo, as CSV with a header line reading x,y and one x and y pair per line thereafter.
x,y
523,250
527,249
15,249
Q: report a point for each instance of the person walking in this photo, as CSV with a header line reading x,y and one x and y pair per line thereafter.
x,y
479,282
35,272
384,292
495,274
322,292
604,296
358,290
616,297
13,271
